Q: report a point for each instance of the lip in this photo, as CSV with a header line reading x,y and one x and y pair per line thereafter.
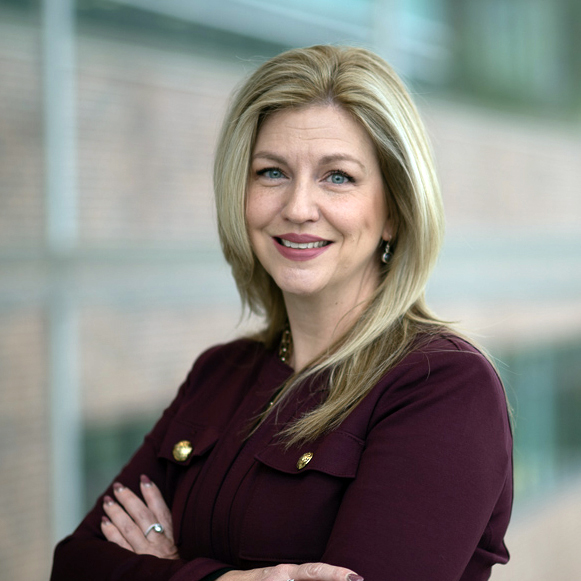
x,y
299,254
300,238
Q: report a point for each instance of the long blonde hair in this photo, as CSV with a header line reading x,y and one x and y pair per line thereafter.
x,y
363,84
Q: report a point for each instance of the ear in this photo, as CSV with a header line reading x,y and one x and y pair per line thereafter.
x,y
387,233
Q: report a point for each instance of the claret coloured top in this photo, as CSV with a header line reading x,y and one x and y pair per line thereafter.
x,y
415,484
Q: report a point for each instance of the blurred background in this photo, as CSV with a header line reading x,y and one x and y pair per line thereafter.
x,y
111,277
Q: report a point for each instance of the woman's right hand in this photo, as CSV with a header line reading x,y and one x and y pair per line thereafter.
x,y
129,520
288,572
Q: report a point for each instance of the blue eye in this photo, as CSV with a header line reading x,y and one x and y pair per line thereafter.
x,y
271,173
338,178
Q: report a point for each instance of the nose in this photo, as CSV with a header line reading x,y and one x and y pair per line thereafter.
x,y
300,204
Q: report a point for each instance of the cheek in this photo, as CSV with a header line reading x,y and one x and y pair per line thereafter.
x,y
361,223
379,218
260,211
253,213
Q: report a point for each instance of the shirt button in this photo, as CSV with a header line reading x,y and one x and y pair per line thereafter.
x,y
182,450
304,460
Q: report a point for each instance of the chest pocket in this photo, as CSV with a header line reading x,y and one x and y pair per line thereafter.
x,y
185,449
295,498
184,443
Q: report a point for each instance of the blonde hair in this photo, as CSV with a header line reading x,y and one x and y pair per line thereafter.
x,y
363,84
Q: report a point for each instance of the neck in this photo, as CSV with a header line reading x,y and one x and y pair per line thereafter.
x,y
315,326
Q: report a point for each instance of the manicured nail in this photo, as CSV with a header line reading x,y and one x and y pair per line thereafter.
x,y
105,520
118,487
108,500
145,480
353,577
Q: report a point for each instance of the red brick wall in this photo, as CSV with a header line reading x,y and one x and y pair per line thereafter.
x,y
147,121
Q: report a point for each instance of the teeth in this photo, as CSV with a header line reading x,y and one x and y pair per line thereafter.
x,y
304,245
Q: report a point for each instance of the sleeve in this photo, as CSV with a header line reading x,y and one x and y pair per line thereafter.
x,y
432,495
87,555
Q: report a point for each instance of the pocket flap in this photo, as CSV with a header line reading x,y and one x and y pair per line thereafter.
x,y
336,454
183,442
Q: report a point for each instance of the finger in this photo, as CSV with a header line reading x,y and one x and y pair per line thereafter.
x,y
135,507
112,534
130,531
156,503
133,519
324,572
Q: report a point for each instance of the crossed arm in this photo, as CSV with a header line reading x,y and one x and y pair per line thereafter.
x,y
431,498
129,518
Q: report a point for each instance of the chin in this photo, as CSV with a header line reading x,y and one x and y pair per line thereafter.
x,y
300,290
297,287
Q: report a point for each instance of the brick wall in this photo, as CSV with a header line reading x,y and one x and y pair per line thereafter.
x,y
147,120
147,126
502,173
21,155
24,451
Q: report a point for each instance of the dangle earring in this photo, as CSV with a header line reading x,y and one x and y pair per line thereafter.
x,y
386,256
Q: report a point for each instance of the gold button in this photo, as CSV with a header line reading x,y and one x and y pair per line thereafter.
x,y
182,450
304,460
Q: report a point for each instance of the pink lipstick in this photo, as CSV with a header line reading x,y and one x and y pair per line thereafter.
x,y
300,247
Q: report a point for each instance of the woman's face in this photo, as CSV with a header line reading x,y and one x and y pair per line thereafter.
x,y
316,208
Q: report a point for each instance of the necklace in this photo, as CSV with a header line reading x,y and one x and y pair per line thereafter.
x,y
286,345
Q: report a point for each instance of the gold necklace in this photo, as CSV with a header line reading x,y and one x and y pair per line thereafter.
x,y
286,345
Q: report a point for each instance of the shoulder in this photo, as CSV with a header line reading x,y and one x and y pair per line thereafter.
x,y
234,350
447,378
219,381
238,355
444,357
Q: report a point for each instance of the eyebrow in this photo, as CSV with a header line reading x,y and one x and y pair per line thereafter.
x,y
324,160
267,155
341,157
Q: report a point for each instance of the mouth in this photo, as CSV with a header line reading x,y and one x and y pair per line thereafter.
x,y
302,245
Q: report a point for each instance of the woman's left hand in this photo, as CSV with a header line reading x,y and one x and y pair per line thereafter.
x,y
129,519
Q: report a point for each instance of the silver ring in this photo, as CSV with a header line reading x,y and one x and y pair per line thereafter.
x,y
154,527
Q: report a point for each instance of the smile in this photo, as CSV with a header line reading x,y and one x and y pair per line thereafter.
x,y
302,245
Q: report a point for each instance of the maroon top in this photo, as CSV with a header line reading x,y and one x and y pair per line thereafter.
x,y
415,484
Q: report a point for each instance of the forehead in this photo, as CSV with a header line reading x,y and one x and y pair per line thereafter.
x,y
326,125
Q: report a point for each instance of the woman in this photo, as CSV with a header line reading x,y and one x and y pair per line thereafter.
x,y
356,436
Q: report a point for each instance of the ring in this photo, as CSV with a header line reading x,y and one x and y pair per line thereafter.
x,y
154,527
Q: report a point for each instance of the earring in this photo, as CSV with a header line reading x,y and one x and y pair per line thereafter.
x,y
386,256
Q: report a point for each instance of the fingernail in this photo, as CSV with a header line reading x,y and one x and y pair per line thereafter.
x,y
145,480
105,520
118,487
108,500
353,577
